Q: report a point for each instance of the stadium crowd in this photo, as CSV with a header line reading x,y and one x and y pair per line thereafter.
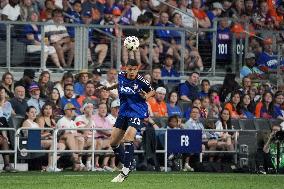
x,y
81,100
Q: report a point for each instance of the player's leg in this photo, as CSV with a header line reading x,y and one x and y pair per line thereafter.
x,y
115,142
129,149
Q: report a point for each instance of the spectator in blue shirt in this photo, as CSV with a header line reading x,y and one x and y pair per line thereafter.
x,y
172,107
267,60
216,11
189,89
83,76
68,98
205,87
168,69
249,69
73,16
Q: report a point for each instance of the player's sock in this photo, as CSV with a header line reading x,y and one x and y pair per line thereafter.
x,y
128,157
119,153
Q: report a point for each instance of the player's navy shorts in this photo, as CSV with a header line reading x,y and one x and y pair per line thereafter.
x,y
123,122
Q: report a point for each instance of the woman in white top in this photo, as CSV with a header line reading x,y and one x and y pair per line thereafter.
x,y
46,141
67,78
225,140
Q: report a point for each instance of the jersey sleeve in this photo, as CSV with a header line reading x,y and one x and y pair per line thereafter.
x,y
146,86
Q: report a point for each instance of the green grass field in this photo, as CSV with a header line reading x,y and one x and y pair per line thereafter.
x,y
139,180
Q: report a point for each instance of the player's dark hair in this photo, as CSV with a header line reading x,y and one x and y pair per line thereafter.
x,y
132,62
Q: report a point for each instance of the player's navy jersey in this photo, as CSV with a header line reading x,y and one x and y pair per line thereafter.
x,y
131,103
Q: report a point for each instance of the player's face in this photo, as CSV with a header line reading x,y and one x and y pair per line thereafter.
x,y
132,71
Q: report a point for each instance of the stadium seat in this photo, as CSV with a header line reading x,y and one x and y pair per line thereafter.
x,y
247,124
236,124
262,124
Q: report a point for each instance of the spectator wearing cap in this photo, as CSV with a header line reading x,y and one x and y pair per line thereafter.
x,y
267,60
189,89
59,38
73,16
216,11
71,138
11,11
114,110
249,69
84,76
89,95
35,98
69,98
158,104
26,80
168,69
86,121
19,104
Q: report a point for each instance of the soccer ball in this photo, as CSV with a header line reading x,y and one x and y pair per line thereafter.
x,y
131,43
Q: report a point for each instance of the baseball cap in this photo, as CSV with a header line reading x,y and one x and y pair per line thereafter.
x,y
69,106
86,104
116,11
218,5
115,103
29,73
33,86
161,90
250,55
97,72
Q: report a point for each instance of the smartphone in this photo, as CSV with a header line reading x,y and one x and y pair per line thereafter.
x,y
216,100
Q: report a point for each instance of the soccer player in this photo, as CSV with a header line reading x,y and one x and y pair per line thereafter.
x,y
133,91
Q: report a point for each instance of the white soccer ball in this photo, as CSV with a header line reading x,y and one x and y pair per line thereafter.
x,y
131,43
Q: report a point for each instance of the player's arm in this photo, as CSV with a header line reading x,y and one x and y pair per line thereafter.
x,y
114,86
146,95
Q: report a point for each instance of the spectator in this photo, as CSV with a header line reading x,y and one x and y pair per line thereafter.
x,y
158,104
67,79
172,106
238,9
245,107
93,6
89,95
35,100
205,87
267,60
138,8
103,137
111,80
59,38
279,101
96,79
233,104
262,18
69,98
215,104
26,9
86,121
45,85
229,85
225,141
6,109
249,69
196,103
8,83
71,138
249,9
194,124
19,104
11,11
156,78
266,108
189,89
46,120
227,5
216,11
33,36
187,19
246,85
168,69
200,15
44,14
104,97
54,98
26,80
73,16
205,106
114,109
83,77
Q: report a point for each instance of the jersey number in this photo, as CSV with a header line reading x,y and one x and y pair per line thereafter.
x,y
135,121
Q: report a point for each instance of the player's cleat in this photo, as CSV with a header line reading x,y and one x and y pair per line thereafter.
x,y
187,168
119,178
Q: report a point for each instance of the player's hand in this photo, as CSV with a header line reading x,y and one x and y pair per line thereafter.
x,y
143,94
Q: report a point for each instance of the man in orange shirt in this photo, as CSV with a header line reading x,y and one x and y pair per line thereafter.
x,y
158,104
